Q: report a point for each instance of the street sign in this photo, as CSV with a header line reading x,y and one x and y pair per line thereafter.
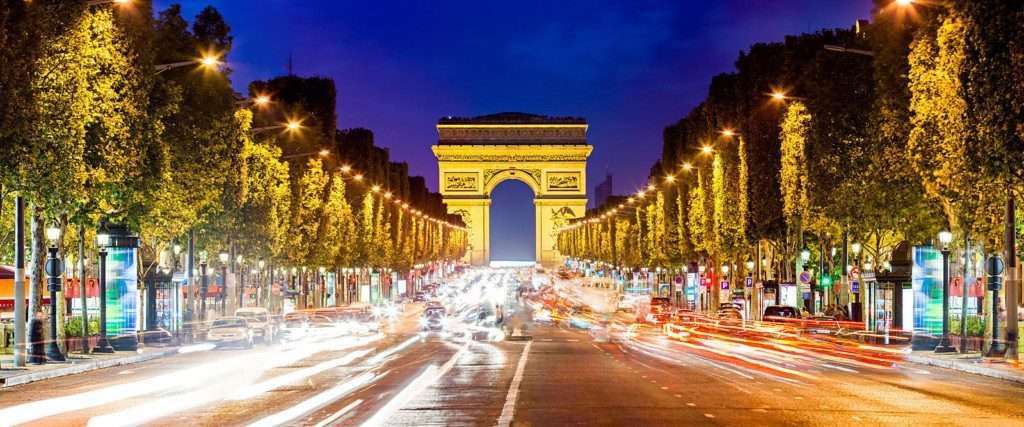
x,y
805,277
750,282
679,280
854,286
854,273
725,284
994,268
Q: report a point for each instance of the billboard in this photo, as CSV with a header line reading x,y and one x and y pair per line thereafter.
x,y
926,278
122,296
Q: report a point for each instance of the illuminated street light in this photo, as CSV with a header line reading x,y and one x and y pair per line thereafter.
x,y
346,168
207,61
358,177
904,3
706,149
687,166
778,96
290,126
117,2
670,179
728,133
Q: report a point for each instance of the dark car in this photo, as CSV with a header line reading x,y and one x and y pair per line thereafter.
x,y
434,319
780,312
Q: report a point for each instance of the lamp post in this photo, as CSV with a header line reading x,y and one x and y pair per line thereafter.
x,y
54,273
204,287
102,241
944,238
261,292
224,258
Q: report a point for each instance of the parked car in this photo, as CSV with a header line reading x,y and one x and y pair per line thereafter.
x,y
259,320
230,331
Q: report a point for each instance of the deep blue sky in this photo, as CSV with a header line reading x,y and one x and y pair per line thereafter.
x,y
630,67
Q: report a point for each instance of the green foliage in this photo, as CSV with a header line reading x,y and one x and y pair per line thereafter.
x,y
794,179
73,326
944,144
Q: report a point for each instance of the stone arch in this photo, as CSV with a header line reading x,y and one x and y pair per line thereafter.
x,y
494,177
548,154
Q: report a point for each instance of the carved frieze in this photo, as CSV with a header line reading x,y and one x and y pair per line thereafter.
x,y
563,181
460,181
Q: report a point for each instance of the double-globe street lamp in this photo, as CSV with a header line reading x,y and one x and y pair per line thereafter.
x,y
945,237
54,273
102,242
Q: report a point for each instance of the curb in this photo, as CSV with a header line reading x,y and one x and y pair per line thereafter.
x,y
967,367
82,367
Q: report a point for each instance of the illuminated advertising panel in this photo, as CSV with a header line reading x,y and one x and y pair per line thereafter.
x,y
122,296
926,278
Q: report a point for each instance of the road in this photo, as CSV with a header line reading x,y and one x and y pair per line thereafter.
x,y
402,378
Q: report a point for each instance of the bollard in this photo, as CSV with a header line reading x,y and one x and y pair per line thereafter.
x,y
37,353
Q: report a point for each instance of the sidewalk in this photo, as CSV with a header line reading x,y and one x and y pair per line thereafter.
x,y
77,363
971,363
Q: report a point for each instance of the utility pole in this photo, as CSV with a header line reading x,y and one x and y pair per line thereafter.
x,y
19,281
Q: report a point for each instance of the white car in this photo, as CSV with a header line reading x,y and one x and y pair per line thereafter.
x,y
294,327
259,321
230,331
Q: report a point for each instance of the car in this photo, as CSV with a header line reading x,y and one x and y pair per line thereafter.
x,y
780,313
230,331
419,297
822,325
434,319
686,315
294,327
259,321
322,325
660,311
601,332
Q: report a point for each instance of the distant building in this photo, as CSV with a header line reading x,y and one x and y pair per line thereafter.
x,y
603,191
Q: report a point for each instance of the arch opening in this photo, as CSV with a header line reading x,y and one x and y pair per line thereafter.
x,y
513,222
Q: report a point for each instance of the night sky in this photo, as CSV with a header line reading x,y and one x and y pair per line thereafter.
x,y
629,67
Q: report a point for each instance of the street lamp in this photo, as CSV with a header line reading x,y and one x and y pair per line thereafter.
x,y
54,273
290,126
102,241
944,238
207,61
99,2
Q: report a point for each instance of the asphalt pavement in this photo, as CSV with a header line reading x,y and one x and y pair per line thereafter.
x,y
562,377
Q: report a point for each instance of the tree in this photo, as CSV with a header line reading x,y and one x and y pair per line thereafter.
x,y
945,146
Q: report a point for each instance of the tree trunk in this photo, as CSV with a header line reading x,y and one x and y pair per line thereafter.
x,y
38,257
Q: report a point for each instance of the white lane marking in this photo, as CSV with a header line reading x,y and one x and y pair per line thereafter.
x,y
316,402
509,409
338,414
428,378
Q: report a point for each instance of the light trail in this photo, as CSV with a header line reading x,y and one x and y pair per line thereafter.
x,y
341,412
316,402
426,379
294,377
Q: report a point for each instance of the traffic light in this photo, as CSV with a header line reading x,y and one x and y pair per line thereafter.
x,y
826,280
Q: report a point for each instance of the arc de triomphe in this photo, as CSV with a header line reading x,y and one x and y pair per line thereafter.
x,y
549,154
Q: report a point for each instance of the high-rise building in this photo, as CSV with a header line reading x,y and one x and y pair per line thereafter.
x,y
602,191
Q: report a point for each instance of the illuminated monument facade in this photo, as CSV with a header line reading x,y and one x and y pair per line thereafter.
x,y
549,154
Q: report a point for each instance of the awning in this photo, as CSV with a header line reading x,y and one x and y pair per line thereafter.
x,y
8,303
